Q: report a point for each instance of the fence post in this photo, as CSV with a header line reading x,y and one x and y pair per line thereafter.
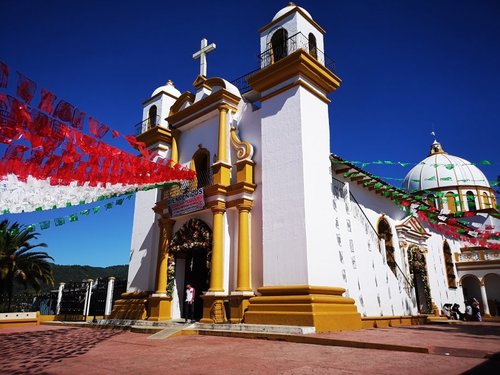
x,y
88,295
59,297
109,296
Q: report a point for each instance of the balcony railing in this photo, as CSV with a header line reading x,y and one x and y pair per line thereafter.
x,y
478,256
146,124
294,43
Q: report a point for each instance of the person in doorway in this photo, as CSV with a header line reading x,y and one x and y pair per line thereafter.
x,y
190,295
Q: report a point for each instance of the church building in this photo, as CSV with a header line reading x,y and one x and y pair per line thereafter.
x,y
274,229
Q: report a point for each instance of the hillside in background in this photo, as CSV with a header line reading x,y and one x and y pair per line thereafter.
x,y
64,274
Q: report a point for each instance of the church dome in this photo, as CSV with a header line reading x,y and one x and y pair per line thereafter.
x,y
289,7
168,88
441,170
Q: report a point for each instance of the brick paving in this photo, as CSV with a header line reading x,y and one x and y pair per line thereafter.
x,y
62,350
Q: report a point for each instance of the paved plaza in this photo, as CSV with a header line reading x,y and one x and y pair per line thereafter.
x,y
430,349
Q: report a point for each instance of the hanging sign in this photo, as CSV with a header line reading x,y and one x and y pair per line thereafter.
x,y
191,201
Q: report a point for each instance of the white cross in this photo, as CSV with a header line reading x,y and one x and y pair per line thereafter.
x,y
202,55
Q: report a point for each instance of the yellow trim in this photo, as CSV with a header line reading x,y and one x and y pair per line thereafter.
x,y
304,305
160,308
155,135
221,174
243,277
217,271
222,149
186,97
297,63
244,171
174,154
243,149
182,117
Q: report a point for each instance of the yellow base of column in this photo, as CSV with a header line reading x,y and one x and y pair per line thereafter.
x,y
214,310
130,306
238,305
303,305
160,308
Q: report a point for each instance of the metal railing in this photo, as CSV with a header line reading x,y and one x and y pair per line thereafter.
x,y
147,124
478,255
294,43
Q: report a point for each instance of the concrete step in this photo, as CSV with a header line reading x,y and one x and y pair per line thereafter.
x,y
168,332
261,328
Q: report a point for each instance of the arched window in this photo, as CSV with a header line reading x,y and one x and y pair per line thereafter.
x,y
279,44
201,165
431,201
471,201
450,201
153,111
313,49
448,263
385,233
486,201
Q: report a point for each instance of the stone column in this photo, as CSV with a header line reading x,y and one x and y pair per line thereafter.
x,y
109,296
243,277
216,276
222,149
88,296
59,297
166,226
160,304
484,297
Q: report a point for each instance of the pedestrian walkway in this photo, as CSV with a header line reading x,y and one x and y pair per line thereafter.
x,y
65,350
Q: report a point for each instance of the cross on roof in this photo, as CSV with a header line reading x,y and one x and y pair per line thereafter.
x,y
202,55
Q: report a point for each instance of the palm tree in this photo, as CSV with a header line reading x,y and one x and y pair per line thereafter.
x,y
18,263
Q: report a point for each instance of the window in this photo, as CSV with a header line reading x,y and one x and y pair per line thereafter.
x,y
279,44
201,164
385,233
313,50
471,201
486,201
450,201
448,263
152,117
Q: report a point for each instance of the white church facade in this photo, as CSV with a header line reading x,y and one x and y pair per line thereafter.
x,y
273,230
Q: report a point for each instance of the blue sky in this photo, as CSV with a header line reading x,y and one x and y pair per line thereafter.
x,y
408,67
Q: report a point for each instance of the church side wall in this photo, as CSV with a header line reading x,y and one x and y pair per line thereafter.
x,y
440,292
144,244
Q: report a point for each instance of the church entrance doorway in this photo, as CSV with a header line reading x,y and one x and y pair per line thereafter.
x,y
418,270
191,248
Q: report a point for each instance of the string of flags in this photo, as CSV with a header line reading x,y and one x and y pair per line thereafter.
x,y
405,164
74,217
48,161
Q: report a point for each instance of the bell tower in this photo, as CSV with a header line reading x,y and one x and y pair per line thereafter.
x,y
301,277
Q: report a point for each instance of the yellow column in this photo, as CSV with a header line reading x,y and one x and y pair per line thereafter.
x,y
222,155
175,151
166,226
243,280
216,276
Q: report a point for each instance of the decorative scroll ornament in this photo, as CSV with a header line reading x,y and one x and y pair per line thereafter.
x,y
244,150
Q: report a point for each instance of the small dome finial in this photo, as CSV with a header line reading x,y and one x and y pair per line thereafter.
x,y
292,4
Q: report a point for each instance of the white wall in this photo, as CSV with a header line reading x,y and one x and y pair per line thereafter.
x,y
144,244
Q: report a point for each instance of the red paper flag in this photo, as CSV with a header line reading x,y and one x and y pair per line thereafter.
x,y
115,134
47,101
4,74
97,129
64,111
78,119
25,88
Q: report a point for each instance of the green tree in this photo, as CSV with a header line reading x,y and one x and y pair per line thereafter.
x,y
19,263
